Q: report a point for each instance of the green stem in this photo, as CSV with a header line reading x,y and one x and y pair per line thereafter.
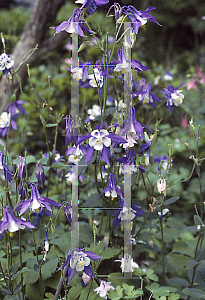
x,y
162,237
20,258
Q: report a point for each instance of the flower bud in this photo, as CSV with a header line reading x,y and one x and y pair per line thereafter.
x,y
40,173
106,239
161,185
22,187
20,167
85,279
67,211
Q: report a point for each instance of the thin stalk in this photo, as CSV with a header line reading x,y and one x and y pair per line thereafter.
x,y
20,258
162,237
194,269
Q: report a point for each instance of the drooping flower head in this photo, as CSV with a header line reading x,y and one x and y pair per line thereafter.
x,y
138,18
75,24
20,165
40,173
144,93
4,167
71,133
5,119
161,186
15,107
36,202
127,263
6,63
174,96
79,261
11,223
126,214
124,64
92,4
85,279
112,190
104,288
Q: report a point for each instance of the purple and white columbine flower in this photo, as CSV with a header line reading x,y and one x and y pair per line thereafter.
x,y
96,79
112,190
6,63
4,167
36,202
92,4
79,261
75,24
5,121
16,107
75,154
100,140
127,263
163,213
145,148
85,279
11,223
144,93
103,289
124,64
127,214
174,96
93,113
138,18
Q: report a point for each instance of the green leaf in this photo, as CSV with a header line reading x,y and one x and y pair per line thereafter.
x,y
178,282
83,45
5,291
49,266
173,296
153,287
17,288
93,201
82,165
52,125
85,233
194,293
192,263
150,274
31,277
30,159
64,243
171,200
116,295
14,268
14,297
36,268
109,253
76,290
88,289
24,269
200,273
51,296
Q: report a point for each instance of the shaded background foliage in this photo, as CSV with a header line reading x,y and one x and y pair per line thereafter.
x,y
177,46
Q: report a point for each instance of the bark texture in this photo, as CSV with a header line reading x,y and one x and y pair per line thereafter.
x,y
43,15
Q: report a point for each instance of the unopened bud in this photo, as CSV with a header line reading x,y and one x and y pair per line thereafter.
x,y
106,239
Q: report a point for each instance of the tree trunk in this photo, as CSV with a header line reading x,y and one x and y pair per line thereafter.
x,y
43,15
